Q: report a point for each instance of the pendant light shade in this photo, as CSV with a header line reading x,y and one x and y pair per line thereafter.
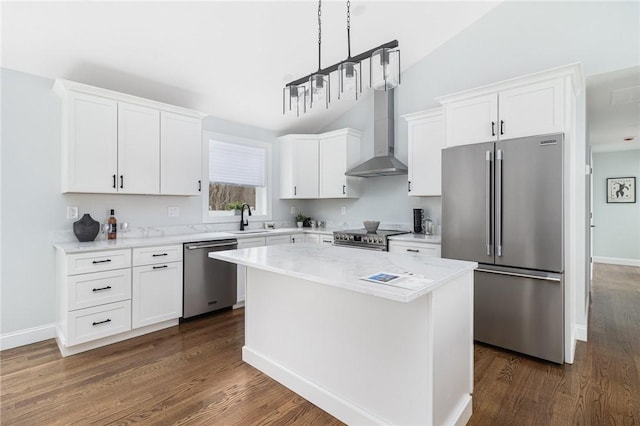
x,y
295,98
349,78
384,69
320,90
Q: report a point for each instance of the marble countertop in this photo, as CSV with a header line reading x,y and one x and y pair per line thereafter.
x,y
417,238
122,243
344,267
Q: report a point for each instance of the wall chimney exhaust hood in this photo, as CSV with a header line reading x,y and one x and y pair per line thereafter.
x,y
383,163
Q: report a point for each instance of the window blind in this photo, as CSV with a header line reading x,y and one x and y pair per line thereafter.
x,y
236,164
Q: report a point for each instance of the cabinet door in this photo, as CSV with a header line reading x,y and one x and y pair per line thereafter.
x,y
90,145
305,164
472,120
180,154
426,140
138,149
333,165
157,293
534,109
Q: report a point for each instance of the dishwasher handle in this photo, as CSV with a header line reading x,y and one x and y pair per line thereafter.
x,y
226,244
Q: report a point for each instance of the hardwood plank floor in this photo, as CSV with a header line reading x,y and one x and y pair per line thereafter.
x,y
193,375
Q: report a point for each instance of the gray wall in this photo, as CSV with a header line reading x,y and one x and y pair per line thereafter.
x,y
617,231
514,39
33,207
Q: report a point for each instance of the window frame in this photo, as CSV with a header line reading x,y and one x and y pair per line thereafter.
x,y
223,217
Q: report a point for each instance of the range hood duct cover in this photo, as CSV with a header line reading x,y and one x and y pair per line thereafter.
x,y
383,163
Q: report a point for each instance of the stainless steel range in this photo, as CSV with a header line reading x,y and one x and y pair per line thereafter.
x,y
360,238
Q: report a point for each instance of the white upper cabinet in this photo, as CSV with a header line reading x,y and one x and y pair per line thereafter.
x,y
181,154
339,151
472,120
526,106
534,109
138,149
299,167
118,143
90,154
314,165
425,131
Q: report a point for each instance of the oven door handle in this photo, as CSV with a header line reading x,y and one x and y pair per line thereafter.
x,y
360,247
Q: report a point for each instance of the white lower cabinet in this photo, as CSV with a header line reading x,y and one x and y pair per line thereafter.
x,y
419,248
242,270
157,293
277,239
102,299
99,321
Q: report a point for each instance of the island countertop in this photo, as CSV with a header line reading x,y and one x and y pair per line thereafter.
x,y
345,267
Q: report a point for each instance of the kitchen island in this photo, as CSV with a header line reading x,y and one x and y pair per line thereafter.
x,y
365,352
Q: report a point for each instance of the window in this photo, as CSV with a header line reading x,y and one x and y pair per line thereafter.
x,y
238,171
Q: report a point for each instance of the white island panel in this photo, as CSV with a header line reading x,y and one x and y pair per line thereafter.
x,y
366,356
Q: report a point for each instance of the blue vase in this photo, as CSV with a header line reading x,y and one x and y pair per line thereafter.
x,y
86,229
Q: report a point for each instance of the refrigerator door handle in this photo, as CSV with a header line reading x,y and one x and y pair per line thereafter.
x,y
515,274
499,202
487,201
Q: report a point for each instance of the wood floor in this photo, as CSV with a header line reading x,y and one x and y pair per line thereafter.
x,y
193,374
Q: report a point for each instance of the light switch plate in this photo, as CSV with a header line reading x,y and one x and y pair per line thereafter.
x,y
293,209
173,211
72,212
343,210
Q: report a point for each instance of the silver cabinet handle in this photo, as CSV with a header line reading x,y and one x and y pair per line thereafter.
x,y
499,202
487,200
515,274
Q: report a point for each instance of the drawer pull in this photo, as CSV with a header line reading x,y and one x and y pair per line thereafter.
x,y
101,322
102,288
101,261
161,254
327,241
161,267
414,250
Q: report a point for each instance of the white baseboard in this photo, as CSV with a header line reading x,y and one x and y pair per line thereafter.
x,y
616,261
328,401
581,332
27,336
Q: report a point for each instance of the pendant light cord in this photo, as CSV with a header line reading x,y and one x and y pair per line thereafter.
x,y
319,32
348,30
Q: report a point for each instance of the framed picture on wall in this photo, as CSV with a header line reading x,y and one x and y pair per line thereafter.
x,y
621,190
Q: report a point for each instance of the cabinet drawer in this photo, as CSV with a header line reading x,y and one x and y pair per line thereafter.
x,y
428,250
326,239
159,254
156,293
99,288
98,322
82,263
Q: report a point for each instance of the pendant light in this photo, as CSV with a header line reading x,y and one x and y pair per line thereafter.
x,y
384,73
349,77
384,69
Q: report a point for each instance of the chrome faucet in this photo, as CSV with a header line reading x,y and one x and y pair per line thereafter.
x,y
244,222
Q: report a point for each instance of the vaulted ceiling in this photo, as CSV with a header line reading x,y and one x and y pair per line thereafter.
x,y
229,59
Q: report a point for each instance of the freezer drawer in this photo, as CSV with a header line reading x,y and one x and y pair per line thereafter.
x,y
520,310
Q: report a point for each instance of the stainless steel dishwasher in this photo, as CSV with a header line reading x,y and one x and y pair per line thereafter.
x,y
209,284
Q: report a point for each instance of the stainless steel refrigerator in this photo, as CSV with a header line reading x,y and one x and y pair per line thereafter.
x,y
502,206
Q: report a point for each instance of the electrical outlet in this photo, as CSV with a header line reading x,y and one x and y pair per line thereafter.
x,y
72,212
343,210
173,211
293,209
